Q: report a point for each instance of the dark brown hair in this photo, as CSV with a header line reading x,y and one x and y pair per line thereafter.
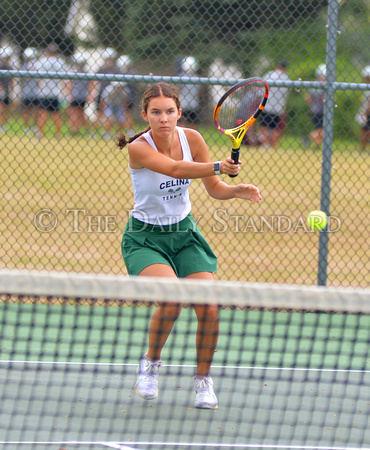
x,y
156,90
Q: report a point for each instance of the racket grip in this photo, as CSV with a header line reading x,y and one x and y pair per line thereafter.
x,y
235,157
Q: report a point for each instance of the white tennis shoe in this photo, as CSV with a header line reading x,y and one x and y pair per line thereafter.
x,y
205,397
146,385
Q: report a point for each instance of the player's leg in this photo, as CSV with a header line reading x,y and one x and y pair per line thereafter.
x,y
164,316
206,343
161,324
207,331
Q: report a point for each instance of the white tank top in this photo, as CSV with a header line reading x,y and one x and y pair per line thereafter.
x,y
160,199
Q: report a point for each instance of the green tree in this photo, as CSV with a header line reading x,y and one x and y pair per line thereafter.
x,y
35,22
111,18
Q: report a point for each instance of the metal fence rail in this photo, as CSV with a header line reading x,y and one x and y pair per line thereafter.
x,y
65,187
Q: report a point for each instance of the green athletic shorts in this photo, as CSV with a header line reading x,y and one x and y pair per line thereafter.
x,y
181,246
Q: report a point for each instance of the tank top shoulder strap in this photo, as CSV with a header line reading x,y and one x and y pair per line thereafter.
x,y
187,156
149,140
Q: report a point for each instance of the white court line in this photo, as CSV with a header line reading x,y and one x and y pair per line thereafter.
x,y
281,446
118,445
71,363
123,446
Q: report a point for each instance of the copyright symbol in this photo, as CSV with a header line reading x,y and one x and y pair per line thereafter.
x,y
45,220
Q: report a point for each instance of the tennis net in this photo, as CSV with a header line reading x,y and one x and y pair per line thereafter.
x,y
291,368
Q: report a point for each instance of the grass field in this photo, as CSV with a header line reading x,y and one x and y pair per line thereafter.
x,y
64,205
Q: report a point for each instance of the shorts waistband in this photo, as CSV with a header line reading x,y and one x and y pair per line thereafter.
x,y
135,225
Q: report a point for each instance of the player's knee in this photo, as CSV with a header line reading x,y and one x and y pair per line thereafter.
x,y
171,311
212,313
208,313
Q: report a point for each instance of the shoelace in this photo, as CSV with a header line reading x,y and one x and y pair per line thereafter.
x,y
152,369
204,385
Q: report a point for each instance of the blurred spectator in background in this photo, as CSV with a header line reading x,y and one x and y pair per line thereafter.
x,y
51,91
115,101
190,94
30,99
109,67
273,118
6,84
77,94
251,137
316,101
363,116
221,69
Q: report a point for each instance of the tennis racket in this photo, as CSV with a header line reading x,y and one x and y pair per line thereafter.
x,y
238,109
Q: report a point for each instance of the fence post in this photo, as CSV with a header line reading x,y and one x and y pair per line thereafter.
x,y
331,52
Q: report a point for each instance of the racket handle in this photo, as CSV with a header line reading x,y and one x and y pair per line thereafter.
x,y
235,157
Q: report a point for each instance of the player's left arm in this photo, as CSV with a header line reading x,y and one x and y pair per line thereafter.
x,y
215,187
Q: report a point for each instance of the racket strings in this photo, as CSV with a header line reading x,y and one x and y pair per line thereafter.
x,y
240,106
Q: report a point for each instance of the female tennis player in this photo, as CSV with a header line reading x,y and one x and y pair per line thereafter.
x,y
161,238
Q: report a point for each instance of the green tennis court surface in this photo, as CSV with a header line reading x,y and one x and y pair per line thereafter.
x,y
284,380
96,404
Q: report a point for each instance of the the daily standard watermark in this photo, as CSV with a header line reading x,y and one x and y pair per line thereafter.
x,y
239,223
77,220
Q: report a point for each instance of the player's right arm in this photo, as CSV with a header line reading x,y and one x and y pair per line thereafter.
x,y
141,154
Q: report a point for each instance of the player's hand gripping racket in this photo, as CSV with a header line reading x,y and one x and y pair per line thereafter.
x,y
238,109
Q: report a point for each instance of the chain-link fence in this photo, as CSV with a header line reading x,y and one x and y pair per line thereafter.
x,y
73,73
